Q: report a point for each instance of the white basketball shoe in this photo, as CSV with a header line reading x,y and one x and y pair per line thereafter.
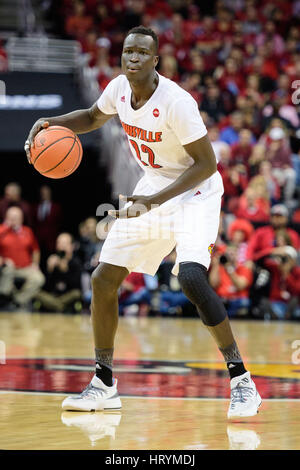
x,y
245,399
95,397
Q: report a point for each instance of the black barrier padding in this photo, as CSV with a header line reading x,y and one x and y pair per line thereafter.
x,y
15,124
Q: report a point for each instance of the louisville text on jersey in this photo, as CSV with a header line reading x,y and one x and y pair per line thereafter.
x,y
142,134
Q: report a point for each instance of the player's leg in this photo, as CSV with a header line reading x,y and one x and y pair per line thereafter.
x,y
106,280
245,399
194,283
195,238
102,392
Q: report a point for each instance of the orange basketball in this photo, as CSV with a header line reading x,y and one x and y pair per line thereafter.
x,y
57,152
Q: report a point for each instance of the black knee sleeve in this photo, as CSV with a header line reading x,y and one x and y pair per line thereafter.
x,y
194,283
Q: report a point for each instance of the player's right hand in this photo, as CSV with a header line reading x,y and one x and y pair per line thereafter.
x,y
36,128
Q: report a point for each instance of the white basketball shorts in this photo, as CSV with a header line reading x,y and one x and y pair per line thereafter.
x,y
188,223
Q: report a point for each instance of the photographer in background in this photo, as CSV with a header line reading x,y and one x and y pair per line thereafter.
x,y
231,279
62,291
20,258
285,283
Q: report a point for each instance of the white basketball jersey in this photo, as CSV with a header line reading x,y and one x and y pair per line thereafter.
x,y
158,130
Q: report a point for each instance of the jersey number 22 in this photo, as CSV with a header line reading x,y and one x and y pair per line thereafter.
x,y
145,149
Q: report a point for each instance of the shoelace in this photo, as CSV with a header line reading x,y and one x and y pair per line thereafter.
x,y
92,391
240,394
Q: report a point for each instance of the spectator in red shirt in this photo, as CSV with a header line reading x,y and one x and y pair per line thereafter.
x,y
231,280
279,155
79,23
241,150
239,232
21,256
235,183
90,47
232,78
285,282
263,241
12,197
252,207
133,291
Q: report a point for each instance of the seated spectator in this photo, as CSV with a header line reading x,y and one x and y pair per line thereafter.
x,y
279,156
231,280
20,257
88,244
285,282
230,134
252,90
269,34
265,180
78,24
263,241
241,150
133,291
90,47
235,182
258,155
221,149
168,68
192,84
232,78
239,233
252,207
47,219
104,18
213,103
12,197
62,290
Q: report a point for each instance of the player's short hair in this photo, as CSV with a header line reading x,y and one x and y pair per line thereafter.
x,y
146,32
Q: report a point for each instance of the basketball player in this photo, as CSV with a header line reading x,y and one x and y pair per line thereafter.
x,y
180,194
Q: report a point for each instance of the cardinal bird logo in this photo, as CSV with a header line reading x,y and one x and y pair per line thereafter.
x,y
211,247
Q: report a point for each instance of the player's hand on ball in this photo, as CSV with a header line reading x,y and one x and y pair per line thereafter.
x,y
140,205
36,128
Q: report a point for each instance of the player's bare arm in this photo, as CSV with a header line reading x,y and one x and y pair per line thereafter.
x,y
80,121
204,166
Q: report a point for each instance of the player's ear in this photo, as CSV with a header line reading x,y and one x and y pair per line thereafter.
x,y
156,59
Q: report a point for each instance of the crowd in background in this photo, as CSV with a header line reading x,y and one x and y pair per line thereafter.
x,y
240,60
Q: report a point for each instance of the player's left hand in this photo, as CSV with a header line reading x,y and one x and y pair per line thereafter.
x,y
140,205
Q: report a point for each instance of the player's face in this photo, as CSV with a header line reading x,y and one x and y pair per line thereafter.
x,y
138,57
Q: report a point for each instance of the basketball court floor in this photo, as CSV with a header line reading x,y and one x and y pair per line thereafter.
x,y
172,381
